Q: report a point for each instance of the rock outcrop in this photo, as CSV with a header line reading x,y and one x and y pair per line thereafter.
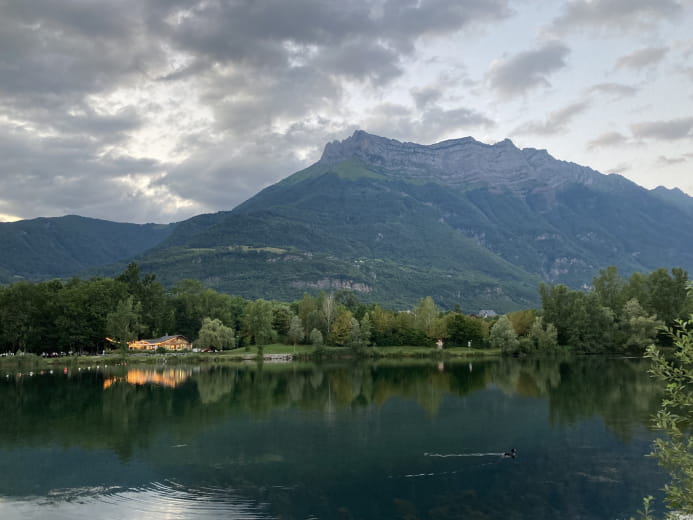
x,y
464,163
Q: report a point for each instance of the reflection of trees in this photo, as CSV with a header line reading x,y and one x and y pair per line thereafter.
x,y
621,392
78,411
618,390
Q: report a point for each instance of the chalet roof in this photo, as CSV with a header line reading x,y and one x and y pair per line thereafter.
x,y
162,339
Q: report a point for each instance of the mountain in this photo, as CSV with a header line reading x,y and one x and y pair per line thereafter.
x,y
675,197
465,222
45,248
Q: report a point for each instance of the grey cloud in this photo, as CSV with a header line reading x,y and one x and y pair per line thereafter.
x,y
219,176
642,58
426,95
663,160
258,35
670,130
261,68
223,177
555,122
362,59
403,18
527,70
431,125
289,94
619,168
607,140
614,90
616,15
60,175
77,48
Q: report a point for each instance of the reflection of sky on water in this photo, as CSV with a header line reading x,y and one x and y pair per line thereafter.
x,y
158,501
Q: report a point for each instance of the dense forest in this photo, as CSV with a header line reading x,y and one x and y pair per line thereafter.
x,y
613,315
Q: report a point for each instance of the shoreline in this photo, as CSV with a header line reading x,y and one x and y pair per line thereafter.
x,y
270,354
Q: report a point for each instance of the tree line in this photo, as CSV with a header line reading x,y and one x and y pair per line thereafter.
x,y
78,315
613,315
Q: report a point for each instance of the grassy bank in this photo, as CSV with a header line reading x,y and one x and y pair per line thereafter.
x,y
275,352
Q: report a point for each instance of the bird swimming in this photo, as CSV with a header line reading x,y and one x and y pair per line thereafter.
x,y
510,454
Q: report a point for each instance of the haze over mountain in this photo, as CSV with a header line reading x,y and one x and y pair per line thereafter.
x,y
465,222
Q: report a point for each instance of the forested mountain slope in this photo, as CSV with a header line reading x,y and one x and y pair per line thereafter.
x,y
63,246
462,221
465,222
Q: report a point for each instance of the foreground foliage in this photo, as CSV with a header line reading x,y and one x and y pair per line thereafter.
x,y
675,451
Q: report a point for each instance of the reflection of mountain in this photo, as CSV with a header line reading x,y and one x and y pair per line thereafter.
x,y
170,378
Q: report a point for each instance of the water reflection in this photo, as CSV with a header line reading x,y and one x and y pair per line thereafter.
x,y
157,500
385,440
170,378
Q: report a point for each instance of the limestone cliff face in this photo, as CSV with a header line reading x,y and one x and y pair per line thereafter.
x,y
464,163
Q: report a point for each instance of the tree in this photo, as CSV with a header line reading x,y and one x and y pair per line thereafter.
x,y
503,336
637,328
464,329
426,313
305,306
522,321
355,341
366,328
609,288
315,320
257,322
675,451
296,333
214,334
328,307
558,302
192,302
341,327
156,312
315,338
382,321
591,328
543,338
668,298
281,319
123,324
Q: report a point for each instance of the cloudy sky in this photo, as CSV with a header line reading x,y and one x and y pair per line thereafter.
x,y
157,110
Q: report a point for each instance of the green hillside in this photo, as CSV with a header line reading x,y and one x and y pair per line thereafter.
x,y
467,223
322,229
58,247
397,239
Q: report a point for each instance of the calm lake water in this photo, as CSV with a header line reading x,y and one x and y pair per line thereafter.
x,y
347,441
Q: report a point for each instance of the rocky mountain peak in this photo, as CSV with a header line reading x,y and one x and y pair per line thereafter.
x,y
464,162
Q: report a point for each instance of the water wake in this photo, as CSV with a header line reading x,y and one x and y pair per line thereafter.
x,y
445,455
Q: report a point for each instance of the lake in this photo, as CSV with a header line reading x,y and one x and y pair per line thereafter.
x,y
400,440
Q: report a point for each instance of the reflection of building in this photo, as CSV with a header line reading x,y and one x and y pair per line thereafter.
x,y
169,378
168,342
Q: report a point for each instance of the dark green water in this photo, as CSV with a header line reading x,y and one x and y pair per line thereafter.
x,y
346,441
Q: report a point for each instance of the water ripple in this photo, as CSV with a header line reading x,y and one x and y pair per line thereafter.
x,y
166,499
